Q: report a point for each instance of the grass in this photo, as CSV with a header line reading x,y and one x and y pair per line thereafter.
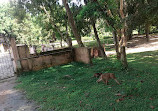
x,y
89,42
52,90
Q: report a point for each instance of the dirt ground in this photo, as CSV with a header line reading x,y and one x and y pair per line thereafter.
x,y
12,99
139,44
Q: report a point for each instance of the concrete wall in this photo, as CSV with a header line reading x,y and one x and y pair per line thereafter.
x,y
44,59
82,54
15,55
24,61
30,62
51,60
24,56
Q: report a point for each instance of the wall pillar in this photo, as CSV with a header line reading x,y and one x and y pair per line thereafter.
x,y
25,58
82,54
15,55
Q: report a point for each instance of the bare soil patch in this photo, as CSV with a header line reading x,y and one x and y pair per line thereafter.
x,y
12,99
139,44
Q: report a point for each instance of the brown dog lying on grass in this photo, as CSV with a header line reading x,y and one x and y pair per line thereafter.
x,y
105,77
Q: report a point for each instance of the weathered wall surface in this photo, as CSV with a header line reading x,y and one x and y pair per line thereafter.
x,y
51,60
15,55
24,56
82,54
44,59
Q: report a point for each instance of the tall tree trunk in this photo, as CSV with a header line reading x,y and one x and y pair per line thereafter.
x,y
123,56
61,44
123,41
129,33
116,44
103,54
122,47
139,29
53,37
147,28
98,40
119,34
72,24
68,39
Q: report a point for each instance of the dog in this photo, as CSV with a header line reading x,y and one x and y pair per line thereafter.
x,y
106,76
97,75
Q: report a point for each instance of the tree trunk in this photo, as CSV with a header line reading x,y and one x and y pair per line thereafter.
x,y
68,39
98,40
147,28
123,56
122,47
129,33
72,24
119,34
61,44
123,40
53,37
116,44
139,30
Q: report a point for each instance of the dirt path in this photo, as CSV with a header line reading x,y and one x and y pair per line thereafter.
x,y
139,44
12,99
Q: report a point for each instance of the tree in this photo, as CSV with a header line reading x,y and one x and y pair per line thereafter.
x,y
51,21
72,23
88,12
98,40
142,13
6,21
123,34
114,21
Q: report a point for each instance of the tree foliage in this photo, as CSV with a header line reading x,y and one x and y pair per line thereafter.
x,y
42,21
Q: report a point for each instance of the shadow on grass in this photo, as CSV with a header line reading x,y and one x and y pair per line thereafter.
x,y
146,61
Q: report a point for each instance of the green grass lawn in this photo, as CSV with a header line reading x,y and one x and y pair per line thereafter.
x,y
89,42
52,90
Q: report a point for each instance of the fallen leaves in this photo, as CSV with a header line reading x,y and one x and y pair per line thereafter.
x,y
151,98
81,103
123,97
152,107
111,104
141,81
87,94
120,99
118,94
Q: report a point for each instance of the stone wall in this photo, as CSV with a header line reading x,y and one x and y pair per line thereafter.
x,y
82,54
15,55
45,59
31,62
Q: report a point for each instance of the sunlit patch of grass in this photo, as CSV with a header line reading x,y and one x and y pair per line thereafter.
x,y
52,90
93,43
